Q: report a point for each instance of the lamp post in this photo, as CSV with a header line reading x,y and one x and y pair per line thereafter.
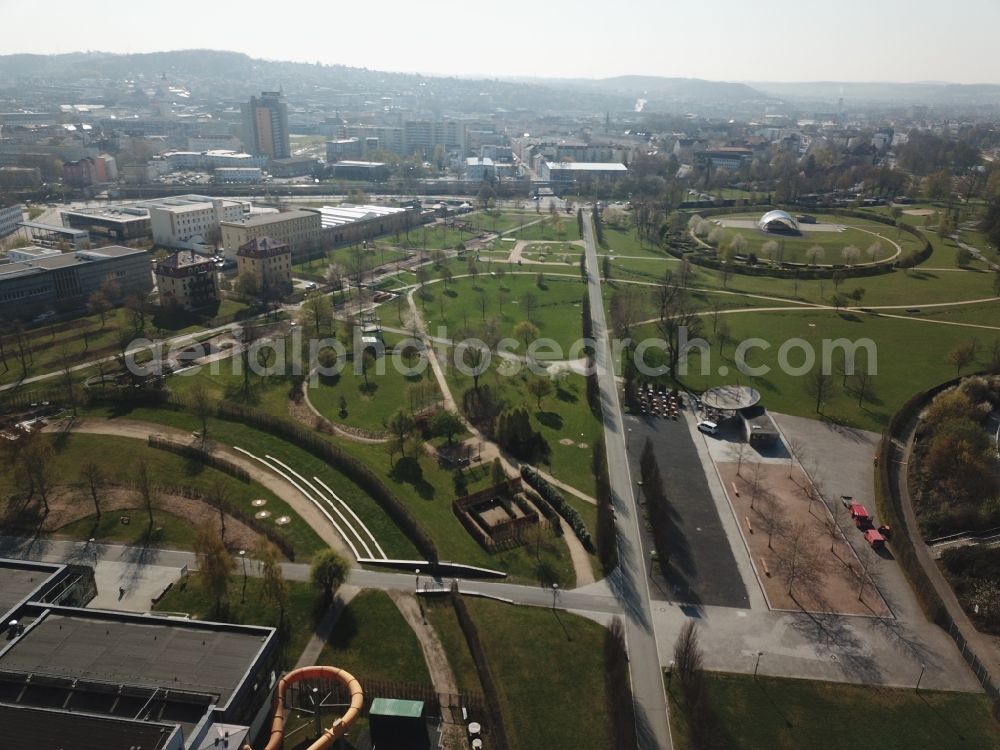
x,y
243,559
416,585
757,665
628,439
555,593
923,667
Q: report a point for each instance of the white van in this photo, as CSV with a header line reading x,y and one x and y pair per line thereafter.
x,y
709,428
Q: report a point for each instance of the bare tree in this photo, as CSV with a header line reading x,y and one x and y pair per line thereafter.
x,y
202,405
870,573
215,565
774,522
754,483
220,498
94,478
688,659
144,486
819,385
800,564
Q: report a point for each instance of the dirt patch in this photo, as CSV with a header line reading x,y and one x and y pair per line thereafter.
x,y
806,554
67,506
919,211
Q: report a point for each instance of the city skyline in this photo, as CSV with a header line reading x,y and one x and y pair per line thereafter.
x,y
887,42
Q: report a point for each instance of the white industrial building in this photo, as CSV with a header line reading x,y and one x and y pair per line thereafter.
x,y
186,221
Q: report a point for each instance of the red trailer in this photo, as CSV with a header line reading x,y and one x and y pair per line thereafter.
x,y
859,513
875,539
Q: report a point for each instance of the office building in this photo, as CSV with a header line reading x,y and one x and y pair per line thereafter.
x,y
66,280
91,678
10,217
191,222
186,279
293,166
300,229
271,261
348,224
265,126
205,161
368,171
343,148
571,171
238,176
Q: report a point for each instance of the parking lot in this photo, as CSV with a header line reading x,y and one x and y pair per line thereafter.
x,y
702,569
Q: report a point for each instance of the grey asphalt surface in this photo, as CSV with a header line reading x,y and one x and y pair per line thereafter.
x,y
701,569
629,581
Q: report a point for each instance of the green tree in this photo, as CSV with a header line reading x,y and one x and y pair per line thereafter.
x,y
526,331
215,564
963,355
327,572
540,387
446,424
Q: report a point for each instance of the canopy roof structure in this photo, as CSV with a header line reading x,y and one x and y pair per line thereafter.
x,y
730,397
779,221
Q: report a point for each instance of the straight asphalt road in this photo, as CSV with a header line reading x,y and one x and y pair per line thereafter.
x,y
629,581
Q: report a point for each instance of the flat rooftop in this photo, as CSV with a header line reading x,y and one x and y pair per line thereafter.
x,y
28,728
65,260
263,220
588,166
147,652
348,213
18,580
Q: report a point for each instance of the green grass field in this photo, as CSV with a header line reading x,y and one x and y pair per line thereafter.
x,y
371,404
563,416
549,671
786,714
857,232
371,640
248,607
75,450
911,356
468,304
49,348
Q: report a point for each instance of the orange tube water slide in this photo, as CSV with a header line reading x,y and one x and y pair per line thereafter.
x,y
335,730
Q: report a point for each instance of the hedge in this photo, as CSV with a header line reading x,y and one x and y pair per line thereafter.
x,y
326,451
493,705
555,498
194,453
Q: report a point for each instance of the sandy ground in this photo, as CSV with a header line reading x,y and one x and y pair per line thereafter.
x,y
919,211
752,224
828,575
67,506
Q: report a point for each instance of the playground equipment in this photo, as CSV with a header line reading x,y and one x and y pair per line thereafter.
x,y
335,730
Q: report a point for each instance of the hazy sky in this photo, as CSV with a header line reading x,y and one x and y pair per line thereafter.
x,y
766,40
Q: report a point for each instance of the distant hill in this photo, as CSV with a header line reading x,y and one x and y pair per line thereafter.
x,y
234,75
926,93
666,93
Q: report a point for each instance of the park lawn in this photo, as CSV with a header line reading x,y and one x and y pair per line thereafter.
x,y
84,338
429,490
248,608
442,617
911,357
469,302
372,641
369,405
979,314
261,443
549,670
501,222
622,240
549,228
169,530
914,288
440,236
269,393
782,713
77,449
564,415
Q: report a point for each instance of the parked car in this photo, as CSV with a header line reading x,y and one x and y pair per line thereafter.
x,y
708,427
